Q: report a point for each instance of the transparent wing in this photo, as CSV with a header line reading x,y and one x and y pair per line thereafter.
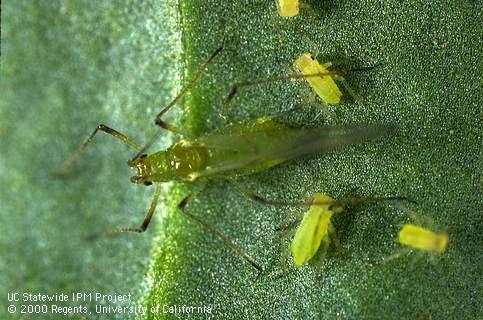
x,y
273,143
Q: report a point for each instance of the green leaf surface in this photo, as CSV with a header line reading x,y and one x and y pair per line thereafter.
x,y
428,85
67,66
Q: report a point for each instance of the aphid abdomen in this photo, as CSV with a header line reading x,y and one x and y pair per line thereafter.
x,y
312,230
288,8
324,86
441,243
244,149
422,239
248,148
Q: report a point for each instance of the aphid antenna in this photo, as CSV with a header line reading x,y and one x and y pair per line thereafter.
x,y
344,201
389,199
65,167
264,201
296,76
361,69
141,150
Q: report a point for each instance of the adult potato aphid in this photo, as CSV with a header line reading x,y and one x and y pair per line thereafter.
x,y
288,8
324,86
233,151
423,239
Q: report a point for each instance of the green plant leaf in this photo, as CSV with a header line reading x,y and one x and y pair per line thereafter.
x,y
68,66
428,85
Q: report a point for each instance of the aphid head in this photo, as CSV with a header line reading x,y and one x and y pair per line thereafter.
x,y
140,164
150,169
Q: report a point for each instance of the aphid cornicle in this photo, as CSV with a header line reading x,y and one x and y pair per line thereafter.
x,y
420,238
235,150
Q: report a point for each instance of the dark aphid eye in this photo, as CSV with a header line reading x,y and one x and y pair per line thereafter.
x,y
312,57
143,156
147,183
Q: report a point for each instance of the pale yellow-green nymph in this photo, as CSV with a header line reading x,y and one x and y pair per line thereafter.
x,y
288,8
324,85
423,239
313,229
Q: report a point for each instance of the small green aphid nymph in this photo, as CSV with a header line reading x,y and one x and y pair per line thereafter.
x,y
423,239
288,8
313,229
324,86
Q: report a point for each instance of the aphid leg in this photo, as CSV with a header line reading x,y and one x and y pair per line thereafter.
x,y
417,256
397,255
346,86
352,201
292,222
325,111
165,125
219,234
147,218
422,220
433,258
343,81
64,168
312,13
424,316
188,86
322,253
335,240
264,201
288,232
287,235
287,226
